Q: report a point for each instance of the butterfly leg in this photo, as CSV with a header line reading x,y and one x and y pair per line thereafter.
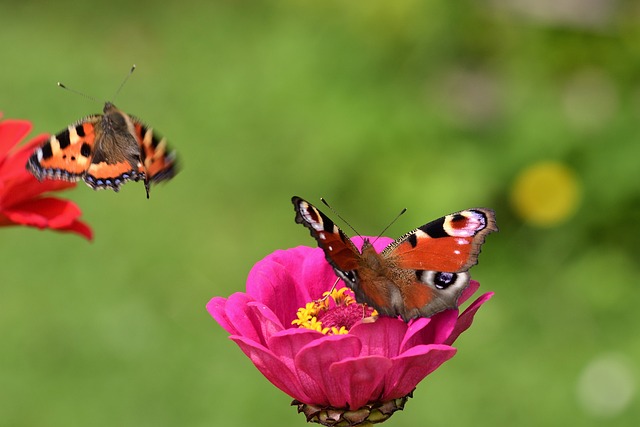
x,y
146,184
368,319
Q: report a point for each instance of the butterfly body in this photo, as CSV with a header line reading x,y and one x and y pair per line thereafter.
x,y
105,150
420,274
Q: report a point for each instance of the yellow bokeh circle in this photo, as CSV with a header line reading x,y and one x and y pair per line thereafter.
x,y
546,193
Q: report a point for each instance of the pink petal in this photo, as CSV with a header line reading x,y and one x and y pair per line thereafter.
x,y
361,379
382,337
468,292
412,366
434,330
379,243
466,319
217,308
272,368
11,132
240,315
415,335
287,280
287,344
438,328
270,283
238,318
316,358
268,322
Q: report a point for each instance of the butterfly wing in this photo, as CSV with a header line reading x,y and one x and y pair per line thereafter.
x,y
451,243
105,150
67,155
338,249
431,262
159,163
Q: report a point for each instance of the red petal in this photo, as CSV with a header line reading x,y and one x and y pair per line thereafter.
x,y
11,132
28,187
15,165
80,228
44,212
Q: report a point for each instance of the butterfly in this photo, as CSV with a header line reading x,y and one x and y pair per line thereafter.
x,y
419,274
105,150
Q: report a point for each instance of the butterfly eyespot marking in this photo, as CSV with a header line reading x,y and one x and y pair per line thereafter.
x,y
419,274
464,224
443,280
457,217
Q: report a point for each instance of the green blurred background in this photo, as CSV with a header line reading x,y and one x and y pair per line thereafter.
x,y
530,108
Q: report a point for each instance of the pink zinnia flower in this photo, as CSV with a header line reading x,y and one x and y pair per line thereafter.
x,y
338,362
21,200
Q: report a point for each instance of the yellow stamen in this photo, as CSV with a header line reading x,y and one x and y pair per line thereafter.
x,y
308,316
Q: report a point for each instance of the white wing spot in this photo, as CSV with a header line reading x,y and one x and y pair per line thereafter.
x,y
309,219
330,248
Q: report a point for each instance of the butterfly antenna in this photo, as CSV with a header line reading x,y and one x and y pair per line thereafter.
x,y
133,68
84,95
339,216
328,293
390,224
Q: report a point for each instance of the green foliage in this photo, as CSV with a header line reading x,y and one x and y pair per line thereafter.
x,y
434,106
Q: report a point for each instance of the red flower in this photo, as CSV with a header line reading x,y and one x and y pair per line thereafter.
x,y
21,200
341,364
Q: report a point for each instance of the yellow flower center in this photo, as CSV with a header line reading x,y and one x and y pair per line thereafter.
x,y
335,313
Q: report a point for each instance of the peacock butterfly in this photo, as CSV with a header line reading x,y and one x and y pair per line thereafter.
x,y
419,274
